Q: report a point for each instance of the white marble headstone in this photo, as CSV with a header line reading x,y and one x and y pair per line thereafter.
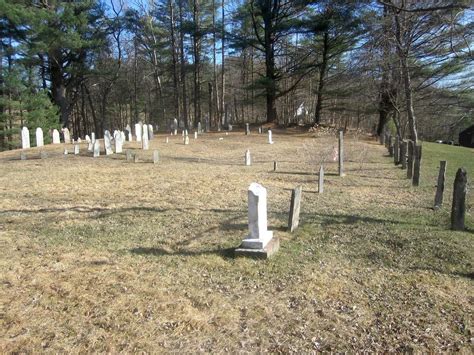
x,y
248,160
76,149
138,132
88,139
118,142
56,139
93,137
96,149
150,132
145,142
108,143
270,140
39,137
258,236
25,138
186,140
67,135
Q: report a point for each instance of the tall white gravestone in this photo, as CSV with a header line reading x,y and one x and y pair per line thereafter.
x,y
96,149
138,132
108,143
150,132
118,142
175,126
248,160
56,139
39,137
145,142
270,139
67,135
25,138
260,241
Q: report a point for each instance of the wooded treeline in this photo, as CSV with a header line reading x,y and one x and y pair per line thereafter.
x,y
92,65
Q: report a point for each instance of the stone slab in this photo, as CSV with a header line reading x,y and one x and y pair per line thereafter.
x,y
265,253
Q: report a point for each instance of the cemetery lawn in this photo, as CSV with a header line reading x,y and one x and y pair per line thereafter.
x,y
101,255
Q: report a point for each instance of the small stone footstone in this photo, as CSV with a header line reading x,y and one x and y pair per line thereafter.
x,y
65,151
260,130
195,135
135,158
403,154
275,165
43,154
411,149
22,156
440,185
229,127
76,149
321,180
156,157
248,159
458,210
260,242
186,140
96,149
416,166
295,204
128,155
247,129
166,140
341,153
56,139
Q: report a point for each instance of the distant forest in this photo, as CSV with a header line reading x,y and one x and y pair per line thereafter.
x,y
399,65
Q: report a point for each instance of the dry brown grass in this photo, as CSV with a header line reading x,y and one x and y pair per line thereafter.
x,y
103,255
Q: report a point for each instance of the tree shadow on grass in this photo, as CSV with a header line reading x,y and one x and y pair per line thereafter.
x,y
224,252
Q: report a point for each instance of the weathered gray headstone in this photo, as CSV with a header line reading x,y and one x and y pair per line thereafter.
x,y
416,166
440,186
156,157
247,129
67,135
76,149
411,150
39,137
150,132
199,129
229,127
260,130
248,159
295,204
22,156
135,158
43,154
341,153
129,155
260,241
166,140
96,149
458,210
321,180
275,165
25,138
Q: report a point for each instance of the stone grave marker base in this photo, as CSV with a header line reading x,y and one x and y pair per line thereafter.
x,y
271,248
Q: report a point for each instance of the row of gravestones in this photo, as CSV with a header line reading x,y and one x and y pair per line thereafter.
x,y
408,155
25,137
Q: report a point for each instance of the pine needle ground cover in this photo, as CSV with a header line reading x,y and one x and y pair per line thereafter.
x,y
103,255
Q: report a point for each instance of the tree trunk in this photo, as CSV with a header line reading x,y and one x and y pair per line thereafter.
x,y
322,77
221,113
183,64
176,95
197,63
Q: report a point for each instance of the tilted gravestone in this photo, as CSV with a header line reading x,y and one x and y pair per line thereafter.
x,y
260,241
39,137
25,138
458,210
440,185
294,218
